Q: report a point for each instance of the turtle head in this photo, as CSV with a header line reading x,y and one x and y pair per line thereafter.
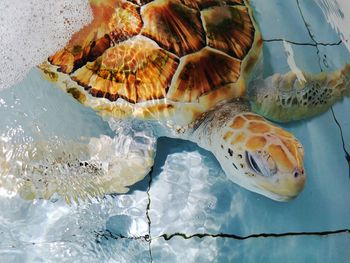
x,y
267,159
253,152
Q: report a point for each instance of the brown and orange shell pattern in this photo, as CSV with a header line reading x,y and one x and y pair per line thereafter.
x,y
147,57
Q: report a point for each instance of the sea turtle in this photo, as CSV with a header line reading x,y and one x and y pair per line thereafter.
x,y
183,67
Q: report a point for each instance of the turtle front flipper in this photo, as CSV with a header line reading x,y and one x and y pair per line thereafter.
x,y
253,152
77,171
298,95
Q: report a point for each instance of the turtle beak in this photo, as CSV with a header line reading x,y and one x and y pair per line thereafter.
x,y
286,188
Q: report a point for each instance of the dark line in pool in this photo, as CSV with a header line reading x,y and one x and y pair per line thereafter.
x,y
330,44
306,24
106,234
253,236
347,155
148,237
167,237
301,43
289,41
310,34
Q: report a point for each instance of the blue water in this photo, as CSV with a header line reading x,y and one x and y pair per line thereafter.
x,y
187,193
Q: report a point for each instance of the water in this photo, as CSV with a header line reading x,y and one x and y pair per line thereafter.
x,y
187,194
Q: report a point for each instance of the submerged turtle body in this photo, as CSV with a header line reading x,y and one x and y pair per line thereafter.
x,y
186,63
164,58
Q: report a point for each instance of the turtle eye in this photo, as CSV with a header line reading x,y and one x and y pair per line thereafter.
x,y
252,163
259,164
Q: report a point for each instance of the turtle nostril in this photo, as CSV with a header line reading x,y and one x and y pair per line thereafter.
x,y
296,174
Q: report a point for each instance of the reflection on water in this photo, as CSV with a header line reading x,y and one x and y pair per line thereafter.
x,y
44,231
188,193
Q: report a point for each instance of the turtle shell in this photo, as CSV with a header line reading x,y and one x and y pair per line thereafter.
x,y
150,56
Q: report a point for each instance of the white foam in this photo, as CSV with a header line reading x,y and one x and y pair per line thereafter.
x,y
32,30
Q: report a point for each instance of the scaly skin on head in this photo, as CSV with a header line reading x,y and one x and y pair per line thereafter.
x,y
253,152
